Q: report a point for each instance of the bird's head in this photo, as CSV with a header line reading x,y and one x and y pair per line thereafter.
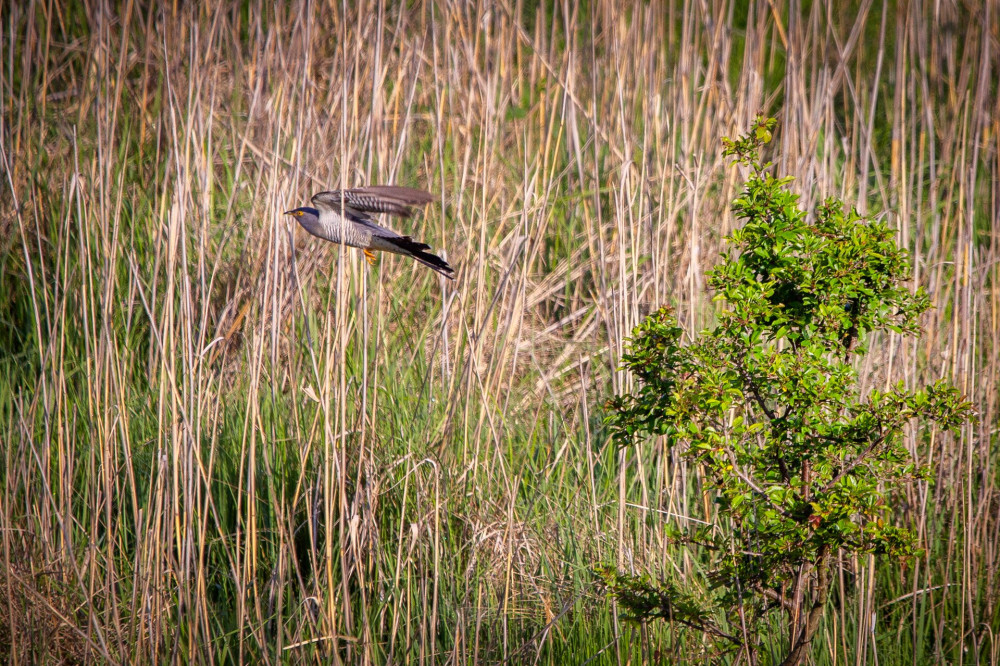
x,y
304,215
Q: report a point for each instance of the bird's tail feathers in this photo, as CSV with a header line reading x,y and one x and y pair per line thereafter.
x,y
418,251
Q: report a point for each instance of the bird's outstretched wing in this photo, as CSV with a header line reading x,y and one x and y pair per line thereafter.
x,y
360,201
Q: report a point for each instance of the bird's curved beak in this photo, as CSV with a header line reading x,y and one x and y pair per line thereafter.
x,y
289,212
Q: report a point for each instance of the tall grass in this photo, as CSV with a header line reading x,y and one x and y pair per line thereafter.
x,y
226,441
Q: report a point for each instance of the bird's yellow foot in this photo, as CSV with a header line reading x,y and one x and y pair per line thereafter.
x,y
369,256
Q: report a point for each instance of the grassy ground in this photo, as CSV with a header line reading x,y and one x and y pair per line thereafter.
x,y
226,441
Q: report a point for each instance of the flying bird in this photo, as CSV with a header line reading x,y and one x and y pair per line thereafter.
x,y
346,216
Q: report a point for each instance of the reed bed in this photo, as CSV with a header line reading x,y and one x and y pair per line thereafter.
x,y
226,441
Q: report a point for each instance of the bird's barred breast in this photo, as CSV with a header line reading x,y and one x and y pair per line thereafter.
x,y
335,227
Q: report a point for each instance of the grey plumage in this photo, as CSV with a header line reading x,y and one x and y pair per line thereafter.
x,y
346,216
390,199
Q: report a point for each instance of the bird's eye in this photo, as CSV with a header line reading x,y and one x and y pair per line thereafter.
x,y
298,213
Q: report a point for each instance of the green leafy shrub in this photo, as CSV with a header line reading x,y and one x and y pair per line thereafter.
x,y
768,404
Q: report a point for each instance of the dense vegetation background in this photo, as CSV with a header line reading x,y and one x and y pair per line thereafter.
x,y
226,440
